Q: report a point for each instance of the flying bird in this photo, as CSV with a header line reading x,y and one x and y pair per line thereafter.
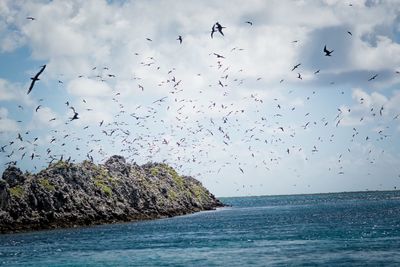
x,y
38,107
373,77
179,39
218,55
31,18
249,22
296,66
75,117
212,31
219,28
36,78
327,52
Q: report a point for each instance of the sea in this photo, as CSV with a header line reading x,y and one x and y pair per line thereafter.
x,y
339,229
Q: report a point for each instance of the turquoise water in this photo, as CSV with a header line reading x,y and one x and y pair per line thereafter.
x,y
347,229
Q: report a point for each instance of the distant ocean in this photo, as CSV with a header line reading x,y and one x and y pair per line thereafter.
x,y
344,229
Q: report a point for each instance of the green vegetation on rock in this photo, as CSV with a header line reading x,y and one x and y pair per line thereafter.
x,y
105,188
172,195
154,171
60,164
199,192
68,194
175,176
17,191
46,184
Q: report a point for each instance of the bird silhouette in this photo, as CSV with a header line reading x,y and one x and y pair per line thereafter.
x,y
327,52
75,117
373,77
218,55
212,31
219,28
35,78
179,39
296,66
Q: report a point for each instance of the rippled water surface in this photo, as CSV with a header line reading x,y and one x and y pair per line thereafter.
x,y
329,229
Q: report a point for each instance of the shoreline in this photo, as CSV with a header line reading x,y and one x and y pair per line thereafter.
x,y
67,195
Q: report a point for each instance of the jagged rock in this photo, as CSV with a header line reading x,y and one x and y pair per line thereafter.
x,y
117,164
13,176
68,195
4,194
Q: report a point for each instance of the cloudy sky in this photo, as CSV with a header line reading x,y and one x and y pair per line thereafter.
x,y
229,110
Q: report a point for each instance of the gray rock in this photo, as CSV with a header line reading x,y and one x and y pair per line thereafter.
x,y
13,176
69,195
4,194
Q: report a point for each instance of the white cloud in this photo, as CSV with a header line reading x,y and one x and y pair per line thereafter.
x,y
6,91
14,92
85,87
7,124
44,117
96,40
370,107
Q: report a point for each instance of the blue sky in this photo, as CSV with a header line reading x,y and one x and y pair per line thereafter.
x,y
264,131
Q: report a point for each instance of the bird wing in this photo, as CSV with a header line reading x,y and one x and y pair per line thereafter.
x,y
40,71
34,79
31,86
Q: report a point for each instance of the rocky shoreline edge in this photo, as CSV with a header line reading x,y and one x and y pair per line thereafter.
x,y
68,195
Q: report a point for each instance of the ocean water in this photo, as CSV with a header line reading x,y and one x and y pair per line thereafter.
x,y
347,229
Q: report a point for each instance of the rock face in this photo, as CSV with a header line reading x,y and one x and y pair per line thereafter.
x,y
69,195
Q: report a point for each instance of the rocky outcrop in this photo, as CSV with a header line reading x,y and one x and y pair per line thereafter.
x,y
69,195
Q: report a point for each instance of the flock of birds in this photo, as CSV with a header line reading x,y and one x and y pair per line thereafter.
x,y
188,140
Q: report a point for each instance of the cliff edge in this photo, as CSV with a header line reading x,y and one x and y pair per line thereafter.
x,y
69,195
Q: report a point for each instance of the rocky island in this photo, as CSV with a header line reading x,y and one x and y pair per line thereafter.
x,y
69,195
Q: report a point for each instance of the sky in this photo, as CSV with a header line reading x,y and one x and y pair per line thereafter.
x,y
231,110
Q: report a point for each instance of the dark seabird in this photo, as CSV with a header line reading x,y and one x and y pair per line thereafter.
x,y
75,117
36,78
296,66
299,76
219,28
212,31
327,52
373,77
